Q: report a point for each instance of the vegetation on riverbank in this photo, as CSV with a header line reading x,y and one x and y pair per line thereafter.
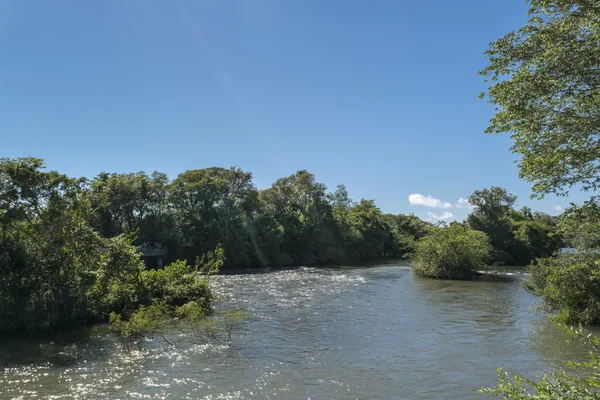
x,y
569,286
544,83
455,252
58,271
67,245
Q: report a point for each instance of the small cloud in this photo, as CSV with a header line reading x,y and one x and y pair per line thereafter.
x,y
427,201
444,216
557,207
464,203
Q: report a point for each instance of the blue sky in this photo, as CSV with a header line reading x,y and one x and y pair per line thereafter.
x,y
378,95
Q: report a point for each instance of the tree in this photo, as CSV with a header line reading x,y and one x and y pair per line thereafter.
x,y
210,207
534,239
405,230
120,201
300,206
455,252
369,230
55,268
545,83
491,215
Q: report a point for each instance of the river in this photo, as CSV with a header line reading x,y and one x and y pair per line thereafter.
x,y
313,333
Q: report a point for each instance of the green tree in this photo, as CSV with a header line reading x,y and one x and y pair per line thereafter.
x,y
52,260
544,81
300,206
491,215
454,252
534,239
369,230
405,230
211,207
56,270
134,203
120,201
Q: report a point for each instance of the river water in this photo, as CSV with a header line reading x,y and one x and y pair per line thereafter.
x,y
313,333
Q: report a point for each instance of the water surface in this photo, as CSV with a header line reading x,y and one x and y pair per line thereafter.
x,y
328,333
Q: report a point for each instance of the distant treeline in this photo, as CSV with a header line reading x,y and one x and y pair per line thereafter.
x,y
69,246
295,221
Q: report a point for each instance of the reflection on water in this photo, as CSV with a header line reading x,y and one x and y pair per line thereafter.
x,y
331,333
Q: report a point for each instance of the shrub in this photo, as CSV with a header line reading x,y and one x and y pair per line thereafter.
x,y
569,286
175,295
176,284
454,252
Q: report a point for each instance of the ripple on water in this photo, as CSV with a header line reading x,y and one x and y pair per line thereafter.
x,y
319,333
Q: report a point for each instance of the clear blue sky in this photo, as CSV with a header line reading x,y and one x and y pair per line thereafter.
x,y
378,95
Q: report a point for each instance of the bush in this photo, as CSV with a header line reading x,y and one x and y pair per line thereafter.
x,y
569,286
454,252
176,284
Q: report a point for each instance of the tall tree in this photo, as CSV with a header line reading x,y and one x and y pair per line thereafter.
x,y
491,215
544,80
52,261
300,206
211,205
369,229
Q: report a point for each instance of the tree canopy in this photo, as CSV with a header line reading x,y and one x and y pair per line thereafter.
x,y
545,83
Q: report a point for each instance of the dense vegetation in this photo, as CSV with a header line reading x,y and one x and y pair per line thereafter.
x,y
569,286
68,245
455,252
58,270
295,221
544,81
494,233
517,236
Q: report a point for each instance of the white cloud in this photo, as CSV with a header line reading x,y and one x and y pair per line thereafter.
x,y
557,207
445,215
464,203
427,201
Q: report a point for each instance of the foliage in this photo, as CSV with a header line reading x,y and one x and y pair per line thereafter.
x,y
405,231
191,319
146,322
67,254
569,286
559,385
57,270
491,215
533,239
544,83
211,207
517,237
295,221
176,284
454,252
